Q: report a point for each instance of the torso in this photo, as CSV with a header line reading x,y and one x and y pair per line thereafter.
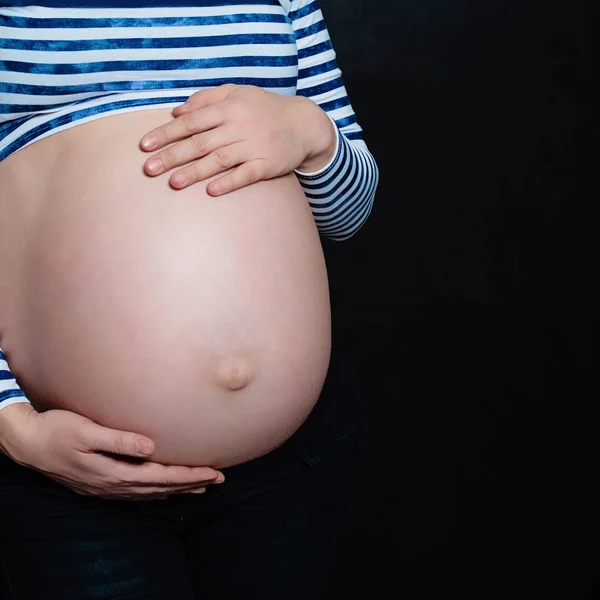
x,y
201,322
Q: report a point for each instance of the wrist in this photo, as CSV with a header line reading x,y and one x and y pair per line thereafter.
x,y
321,138
13,422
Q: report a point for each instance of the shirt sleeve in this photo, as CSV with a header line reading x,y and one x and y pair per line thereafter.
x,y
341,194
10,392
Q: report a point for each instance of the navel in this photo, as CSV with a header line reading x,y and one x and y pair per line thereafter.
x,y
234,373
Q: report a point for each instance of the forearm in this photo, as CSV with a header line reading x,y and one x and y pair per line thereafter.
x,y
12,425
14,407
340,192
320,133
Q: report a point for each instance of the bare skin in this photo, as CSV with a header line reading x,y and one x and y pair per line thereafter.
x,y
239,386
89,458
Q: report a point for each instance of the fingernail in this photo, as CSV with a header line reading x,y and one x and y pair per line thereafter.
x,y
201,491
220,479
148,142
179,179
142,448
154,165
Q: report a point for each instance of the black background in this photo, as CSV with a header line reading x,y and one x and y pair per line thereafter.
x,y
468,298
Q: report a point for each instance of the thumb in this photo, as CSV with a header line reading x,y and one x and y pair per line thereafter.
x,y
104,439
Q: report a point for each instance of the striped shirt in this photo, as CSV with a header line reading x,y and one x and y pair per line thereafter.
x,y
67,63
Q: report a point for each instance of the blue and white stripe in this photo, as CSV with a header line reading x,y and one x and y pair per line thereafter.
x,y
62,65
10,392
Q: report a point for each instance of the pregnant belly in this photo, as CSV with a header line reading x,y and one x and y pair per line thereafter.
x,y
201,322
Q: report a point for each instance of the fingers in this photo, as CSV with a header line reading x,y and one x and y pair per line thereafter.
x,y
97,438
189,149
197,121
216,162
166,477
244,175
103,439
145,494
147,481
205,98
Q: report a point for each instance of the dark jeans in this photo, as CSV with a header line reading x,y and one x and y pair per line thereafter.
x,y
268,532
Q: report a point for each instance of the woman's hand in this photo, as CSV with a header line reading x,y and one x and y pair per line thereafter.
x,y
77,453
260,134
